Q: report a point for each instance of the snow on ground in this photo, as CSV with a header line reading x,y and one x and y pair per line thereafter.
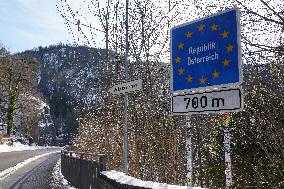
x,y
9,171
119,177
58,179
124,179
17,146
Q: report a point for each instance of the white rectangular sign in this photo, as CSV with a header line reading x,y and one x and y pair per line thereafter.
x,y
226,100
126,87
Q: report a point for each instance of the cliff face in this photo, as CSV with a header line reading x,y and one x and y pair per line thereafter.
x,y
66,79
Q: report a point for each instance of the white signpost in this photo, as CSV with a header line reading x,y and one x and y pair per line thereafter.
x,y
225,100
227,148
126,87
189,152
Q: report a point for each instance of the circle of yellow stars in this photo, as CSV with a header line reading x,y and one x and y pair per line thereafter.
x,y
226,63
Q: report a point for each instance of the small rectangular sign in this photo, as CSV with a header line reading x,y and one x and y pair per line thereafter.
x,y
226,100
126,87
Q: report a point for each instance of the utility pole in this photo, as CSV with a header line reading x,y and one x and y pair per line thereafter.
x,y
107,35
125,141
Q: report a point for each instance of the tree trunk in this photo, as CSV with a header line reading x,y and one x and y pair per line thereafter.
x,y
11,114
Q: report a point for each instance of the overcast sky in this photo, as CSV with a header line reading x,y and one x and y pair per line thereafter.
x,y
25,24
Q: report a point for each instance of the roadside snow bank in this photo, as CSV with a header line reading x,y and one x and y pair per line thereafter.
x,y
17,146
58,180
124,179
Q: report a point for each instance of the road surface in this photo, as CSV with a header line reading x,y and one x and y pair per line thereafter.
x,y
35,172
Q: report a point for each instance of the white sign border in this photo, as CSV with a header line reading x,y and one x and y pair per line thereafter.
x,y
210,111
239,53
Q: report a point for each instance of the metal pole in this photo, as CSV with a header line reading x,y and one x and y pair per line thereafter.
x,y
227,142
125,141
107,59
189,153
79,125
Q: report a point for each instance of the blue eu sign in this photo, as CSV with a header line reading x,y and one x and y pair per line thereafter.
x,y
206,53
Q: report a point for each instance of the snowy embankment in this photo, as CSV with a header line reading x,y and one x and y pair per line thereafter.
x,y
118,177
17,146
124,179
58,179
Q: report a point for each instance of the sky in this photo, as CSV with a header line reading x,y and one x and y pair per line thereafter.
x,y
26,24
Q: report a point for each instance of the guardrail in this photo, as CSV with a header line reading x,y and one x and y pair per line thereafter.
x,y
80,172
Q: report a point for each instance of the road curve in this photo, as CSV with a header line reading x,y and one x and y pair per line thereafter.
x,y
10,159
35,174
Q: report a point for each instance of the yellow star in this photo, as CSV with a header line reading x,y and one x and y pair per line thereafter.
x,y
215,74
273,67
189,79
202,80
214,27
201,27
188,35
181,71
225,34
226,62
178,59
229,48
180,46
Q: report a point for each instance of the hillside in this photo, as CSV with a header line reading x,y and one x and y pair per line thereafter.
x,y
66,80
70,76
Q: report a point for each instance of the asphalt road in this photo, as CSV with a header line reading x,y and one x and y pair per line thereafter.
x,y
35,174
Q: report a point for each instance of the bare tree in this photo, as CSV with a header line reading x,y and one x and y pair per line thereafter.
x,y
18,75
154,135
262,24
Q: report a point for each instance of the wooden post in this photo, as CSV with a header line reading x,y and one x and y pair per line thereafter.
x,y
102,162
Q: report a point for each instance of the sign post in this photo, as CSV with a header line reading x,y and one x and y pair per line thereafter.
x,y
206,72
125,128
227,147
189,153
124,88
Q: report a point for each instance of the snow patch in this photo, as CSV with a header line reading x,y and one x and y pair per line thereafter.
x,y
59,180
124,179
17,146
